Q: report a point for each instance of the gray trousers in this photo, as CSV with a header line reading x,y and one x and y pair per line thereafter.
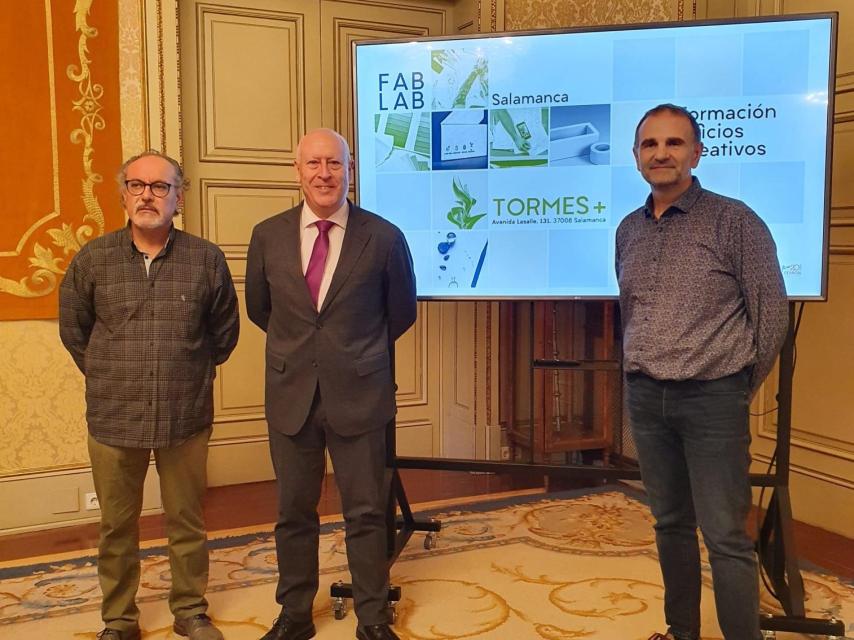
x,y
363,483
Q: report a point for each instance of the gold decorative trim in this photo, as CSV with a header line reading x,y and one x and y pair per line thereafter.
x,y
54,131
179,82
43,280
89,107
161,75
133,90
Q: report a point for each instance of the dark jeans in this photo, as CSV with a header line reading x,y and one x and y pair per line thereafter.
x,y
693,443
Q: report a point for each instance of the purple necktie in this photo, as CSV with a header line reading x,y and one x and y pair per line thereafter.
x,y
317,261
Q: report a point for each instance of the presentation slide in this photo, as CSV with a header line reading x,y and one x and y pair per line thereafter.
x,y
507,160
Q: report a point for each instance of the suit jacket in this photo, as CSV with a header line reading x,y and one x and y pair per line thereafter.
x,y
346,347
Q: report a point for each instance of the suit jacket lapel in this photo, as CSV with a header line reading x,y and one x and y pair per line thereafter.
x,y
355,238
292,255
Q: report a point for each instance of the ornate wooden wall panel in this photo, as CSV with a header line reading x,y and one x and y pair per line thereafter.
x,y
234,206
459,391
252,102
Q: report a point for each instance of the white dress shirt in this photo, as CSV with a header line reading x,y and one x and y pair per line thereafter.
x,y
308,234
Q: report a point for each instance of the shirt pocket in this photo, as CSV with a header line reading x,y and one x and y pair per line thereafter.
x,y
185,309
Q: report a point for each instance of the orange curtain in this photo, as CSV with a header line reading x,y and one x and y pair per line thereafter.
x,y
61,144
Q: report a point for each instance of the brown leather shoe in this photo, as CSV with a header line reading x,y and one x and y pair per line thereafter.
x,y
198,627
115,634
376,632
659,636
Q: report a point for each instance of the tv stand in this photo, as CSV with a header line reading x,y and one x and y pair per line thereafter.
x,y
775,542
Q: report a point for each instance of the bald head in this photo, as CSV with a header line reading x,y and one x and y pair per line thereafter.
x,y
324,168
322,133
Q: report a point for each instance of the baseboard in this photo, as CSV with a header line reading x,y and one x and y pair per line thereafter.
x,y
58,499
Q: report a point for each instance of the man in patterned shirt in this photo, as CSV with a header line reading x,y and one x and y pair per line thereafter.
x,y
147,312
704,316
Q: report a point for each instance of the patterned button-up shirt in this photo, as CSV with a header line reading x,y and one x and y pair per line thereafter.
x,y
148,345
701,292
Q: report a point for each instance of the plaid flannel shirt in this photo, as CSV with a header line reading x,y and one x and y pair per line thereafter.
x,y
148,344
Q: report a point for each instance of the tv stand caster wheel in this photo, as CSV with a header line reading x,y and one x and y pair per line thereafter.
x,y
430,540
339,608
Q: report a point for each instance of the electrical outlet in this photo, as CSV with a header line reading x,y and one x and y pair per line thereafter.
x,y
505,453
90,502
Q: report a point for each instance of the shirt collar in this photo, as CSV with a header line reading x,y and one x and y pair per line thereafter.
x,y
683,204
308,217
130,247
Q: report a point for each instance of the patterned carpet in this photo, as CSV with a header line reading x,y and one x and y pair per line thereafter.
x,y
556,567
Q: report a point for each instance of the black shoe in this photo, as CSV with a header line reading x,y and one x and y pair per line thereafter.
x,y
286,629
376,632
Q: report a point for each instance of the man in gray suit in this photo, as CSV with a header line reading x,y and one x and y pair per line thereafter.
x,y
333,287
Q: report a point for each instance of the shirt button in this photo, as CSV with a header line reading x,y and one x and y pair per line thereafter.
x,y
150,344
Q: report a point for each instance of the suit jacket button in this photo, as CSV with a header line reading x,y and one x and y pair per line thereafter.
x,y
318,324
314,363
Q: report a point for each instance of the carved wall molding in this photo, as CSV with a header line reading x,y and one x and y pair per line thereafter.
x,y
811,472
65,109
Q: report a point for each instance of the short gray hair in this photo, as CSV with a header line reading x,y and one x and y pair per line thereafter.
x,y
183,183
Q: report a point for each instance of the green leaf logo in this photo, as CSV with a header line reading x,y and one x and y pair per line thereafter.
x,y
461,215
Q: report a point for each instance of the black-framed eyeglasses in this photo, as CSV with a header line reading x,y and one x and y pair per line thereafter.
x,y
158,189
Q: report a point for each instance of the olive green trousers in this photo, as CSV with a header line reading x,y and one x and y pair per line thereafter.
x,y
119,474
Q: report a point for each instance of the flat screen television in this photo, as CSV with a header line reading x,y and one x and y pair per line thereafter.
x,y
506,159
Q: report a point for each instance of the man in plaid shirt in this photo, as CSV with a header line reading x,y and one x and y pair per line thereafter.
x,y
147,312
